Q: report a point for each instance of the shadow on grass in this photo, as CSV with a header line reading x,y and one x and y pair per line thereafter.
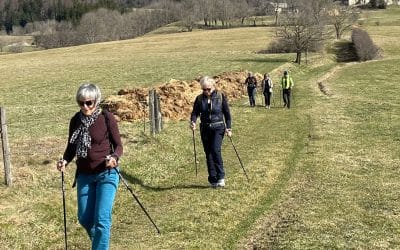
x,y
244,105
133,180
262,60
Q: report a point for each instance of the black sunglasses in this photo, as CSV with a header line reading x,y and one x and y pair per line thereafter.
x,y
87,103
207,89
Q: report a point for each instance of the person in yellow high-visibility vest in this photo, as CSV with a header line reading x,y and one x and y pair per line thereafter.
x,y
287,85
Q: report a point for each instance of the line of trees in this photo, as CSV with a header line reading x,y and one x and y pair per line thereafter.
x,y
99,26
72,23
302,25
21,12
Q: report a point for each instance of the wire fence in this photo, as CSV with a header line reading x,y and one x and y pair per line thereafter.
x,y
38,132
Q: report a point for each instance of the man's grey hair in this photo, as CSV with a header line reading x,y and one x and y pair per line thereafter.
x,y
89,91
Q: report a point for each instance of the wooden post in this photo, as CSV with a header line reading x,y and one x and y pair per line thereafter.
x,y
152,113
5,147
144,116
157,112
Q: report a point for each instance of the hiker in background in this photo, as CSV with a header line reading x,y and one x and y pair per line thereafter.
x,y
267,86
251,83
287,85
92,135
212,107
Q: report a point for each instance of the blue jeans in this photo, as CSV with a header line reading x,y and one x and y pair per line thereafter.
x,y
96,193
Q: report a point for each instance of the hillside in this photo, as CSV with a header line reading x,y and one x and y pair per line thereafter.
x,y
322,175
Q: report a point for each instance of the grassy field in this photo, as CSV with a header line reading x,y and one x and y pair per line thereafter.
x,y
344,192
323,174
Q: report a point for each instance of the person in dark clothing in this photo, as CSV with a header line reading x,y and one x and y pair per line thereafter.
x,y
92,135
287,85
213,109
251,83
267,86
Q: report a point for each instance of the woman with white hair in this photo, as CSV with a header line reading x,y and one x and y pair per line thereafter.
x,y
267,86
95,141
212,107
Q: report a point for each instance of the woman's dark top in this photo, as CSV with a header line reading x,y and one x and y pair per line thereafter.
x,y
216,111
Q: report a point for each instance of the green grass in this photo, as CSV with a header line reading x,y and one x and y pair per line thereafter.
x,y
387,17
344,192
351,175
49,79
323,174
40,100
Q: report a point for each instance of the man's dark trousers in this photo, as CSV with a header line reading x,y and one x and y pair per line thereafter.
x,y
286,97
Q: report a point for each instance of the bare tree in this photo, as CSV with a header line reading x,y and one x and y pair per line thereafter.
x,y
101,25
303,26
189,14
113,22
204,9
241,10
3,43
221,11
342,18
91,27
168,10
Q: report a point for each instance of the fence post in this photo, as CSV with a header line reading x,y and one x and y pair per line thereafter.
x,y
5,147
152,114
144,115
157,112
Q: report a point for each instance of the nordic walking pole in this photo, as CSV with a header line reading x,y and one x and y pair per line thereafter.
x,y
194,151
137,200
65,214
292,93
273,98
240,161
262,100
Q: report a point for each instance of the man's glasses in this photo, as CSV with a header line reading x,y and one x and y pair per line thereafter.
x,y
207,89
87,103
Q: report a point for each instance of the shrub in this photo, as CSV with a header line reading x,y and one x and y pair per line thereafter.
x,y
365,48
284,46
378,4
16,48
